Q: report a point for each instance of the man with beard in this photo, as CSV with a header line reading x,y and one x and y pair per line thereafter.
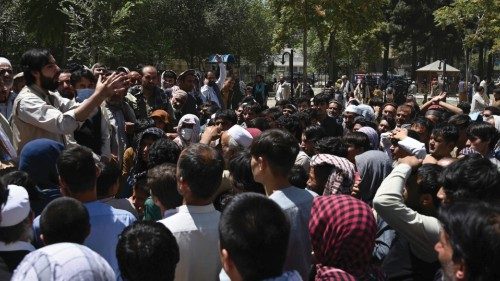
x,y
212,91
147,97
40,112
6,95
186,82
65,88
468,246
122,119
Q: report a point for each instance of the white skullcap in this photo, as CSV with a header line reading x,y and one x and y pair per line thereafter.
x,y
179,93
17,207
5,61
353,109
240,135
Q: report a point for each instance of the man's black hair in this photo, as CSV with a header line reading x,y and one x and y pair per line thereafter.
x,y
390,120
34,60
321,98
258,249
484,131
302,99
461,121
241,173
260,123
147,251
428,176
471,177
494,110
280,149
201,166
314,133
109,176
253,107
77,75
331,145
142,124
449,133
11,234
414,135
77,168
291,123
358,140
64,220
272,112
424,122
464,106
162,182
163,150
21,178
298,176
228,115
473,231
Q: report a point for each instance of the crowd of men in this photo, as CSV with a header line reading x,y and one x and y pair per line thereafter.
x,y
137,175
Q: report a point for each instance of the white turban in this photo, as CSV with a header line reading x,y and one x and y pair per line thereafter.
x,y
5,61
240,135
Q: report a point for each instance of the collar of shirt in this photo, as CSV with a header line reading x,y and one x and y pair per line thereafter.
x,y
16,246
169,213
196,209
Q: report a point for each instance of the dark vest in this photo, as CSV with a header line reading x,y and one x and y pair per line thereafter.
x,y
401,264
89,134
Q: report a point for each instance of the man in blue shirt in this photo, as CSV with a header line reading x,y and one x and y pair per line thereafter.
x,y
78,175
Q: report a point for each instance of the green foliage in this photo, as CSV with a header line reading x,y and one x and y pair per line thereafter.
x,y
129,32
477,20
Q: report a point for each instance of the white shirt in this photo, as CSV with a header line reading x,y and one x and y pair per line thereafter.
x,y
283,91
196,229
208,93
478,103
296,203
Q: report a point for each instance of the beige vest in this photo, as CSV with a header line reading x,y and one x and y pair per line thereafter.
x,y
23,132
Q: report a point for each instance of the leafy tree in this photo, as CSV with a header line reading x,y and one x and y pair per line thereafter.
x,y
477,21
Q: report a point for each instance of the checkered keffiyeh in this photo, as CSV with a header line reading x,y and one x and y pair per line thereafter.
x,y
62,262
341,179
343,230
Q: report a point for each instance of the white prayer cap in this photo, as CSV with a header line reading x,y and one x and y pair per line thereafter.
x,y
17,207
353,109
240,135
5,61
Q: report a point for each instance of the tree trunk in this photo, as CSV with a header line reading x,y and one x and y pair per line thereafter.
x,y
480,62
385,63
332,68
304,45
413,57
489,67
304,54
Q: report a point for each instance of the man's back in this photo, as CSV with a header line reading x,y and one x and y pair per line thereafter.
x,y
197,233
296,203
107,223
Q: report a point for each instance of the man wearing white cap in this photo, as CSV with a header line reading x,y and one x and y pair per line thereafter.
x,y
350,113
6,95
234,140
15,228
